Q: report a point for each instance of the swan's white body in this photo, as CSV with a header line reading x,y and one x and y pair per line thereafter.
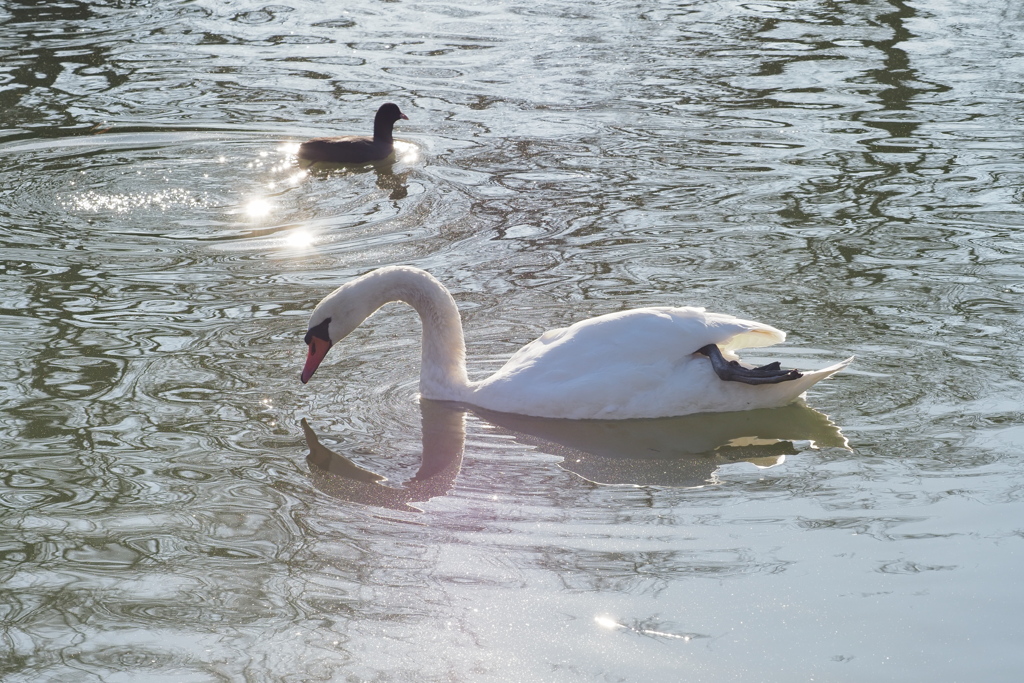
x,y
638,363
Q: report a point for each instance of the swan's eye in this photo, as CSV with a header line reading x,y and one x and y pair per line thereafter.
x,y
319,331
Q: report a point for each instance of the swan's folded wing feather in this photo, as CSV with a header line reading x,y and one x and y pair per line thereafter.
x,y
742,334
638,363
640,334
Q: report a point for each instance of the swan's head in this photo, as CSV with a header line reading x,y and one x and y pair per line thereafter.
x,y
344,309
332,320
318,339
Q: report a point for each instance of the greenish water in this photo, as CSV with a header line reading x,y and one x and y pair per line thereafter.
x,y
848,171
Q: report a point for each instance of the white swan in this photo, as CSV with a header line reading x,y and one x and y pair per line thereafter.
x,y
645,362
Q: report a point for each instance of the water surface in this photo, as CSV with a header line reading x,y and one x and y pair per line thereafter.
x,y
849,172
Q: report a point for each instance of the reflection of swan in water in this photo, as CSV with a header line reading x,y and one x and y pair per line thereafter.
x,y
672,451
444,437
675,451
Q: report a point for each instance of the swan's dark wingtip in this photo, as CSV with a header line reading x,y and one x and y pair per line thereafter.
x,y
732,371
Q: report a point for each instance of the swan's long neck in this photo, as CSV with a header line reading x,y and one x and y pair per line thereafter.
x,y
443,361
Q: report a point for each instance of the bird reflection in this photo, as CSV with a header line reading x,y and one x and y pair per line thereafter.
x,y
389,181
395,184
676,451
673,451
444,438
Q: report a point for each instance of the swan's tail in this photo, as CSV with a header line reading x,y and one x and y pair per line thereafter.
x,y
797,387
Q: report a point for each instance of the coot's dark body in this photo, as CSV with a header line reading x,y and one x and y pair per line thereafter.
x,y
355,149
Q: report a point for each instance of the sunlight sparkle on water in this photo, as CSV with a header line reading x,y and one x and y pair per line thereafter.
x,y
607,622
258,208
406,152
299,239
92,201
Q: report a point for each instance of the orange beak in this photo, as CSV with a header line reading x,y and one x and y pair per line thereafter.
x,y
318,348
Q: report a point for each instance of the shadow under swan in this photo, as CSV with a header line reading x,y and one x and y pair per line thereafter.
x,y
675,451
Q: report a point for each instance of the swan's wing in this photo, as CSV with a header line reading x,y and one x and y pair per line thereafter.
x,y
735,333
636,337
638,363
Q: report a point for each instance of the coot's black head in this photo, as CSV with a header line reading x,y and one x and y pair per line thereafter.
x,y
388,114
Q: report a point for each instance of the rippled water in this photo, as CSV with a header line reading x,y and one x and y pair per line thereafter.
x,y
849,171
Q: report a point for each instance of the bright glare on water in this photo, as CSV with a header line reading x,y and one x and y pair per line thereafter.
x,y
299,239
258,208
175,505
